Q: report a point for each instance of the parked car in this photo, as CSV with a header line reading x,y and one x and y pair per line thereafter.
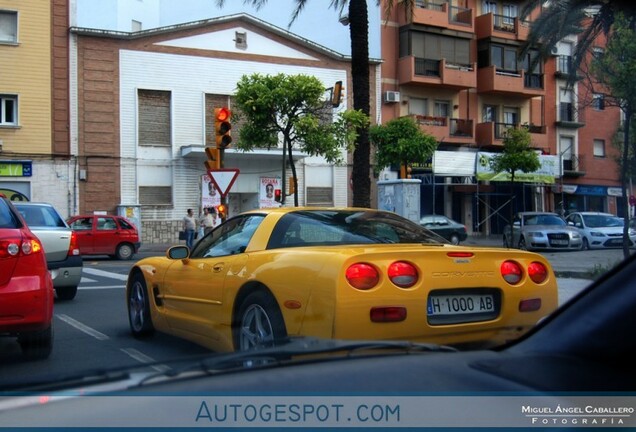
x,y
26,287
452,231
600,230
541,230
110,235
60,245
336,273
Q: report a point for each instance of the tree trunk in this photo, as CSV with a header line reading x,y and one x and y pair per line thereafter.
x,y
294,177
359,31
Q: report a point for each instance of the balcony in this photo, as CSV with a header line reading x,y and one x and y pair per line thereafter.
x,y
565,68
499,26
568,116
493,80
446,129
574,166
416,70
493,133
438,14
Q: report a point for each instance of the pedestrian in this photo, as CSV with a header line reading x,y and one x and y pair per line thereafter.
x,y
189,227
208,221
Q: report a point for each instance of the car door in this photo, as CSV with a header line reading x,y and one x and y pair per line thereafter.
x,y
83,228
105,235
193,287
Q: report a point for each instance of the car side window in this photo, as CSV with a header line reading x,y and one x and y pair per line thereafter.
x,y
7,219
106,224
82,224
230,238
123,223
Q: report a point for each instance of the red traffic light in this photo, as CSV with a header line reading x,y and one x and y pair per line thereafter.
x,y
278,195
222,127
222,114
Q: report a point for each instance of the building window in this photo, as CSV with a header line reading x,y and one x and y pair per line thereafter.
x,y
240,39
442,109
8,110
599,148
489,114
8,26
598,52
418,106
598,101
154,118
135,26
155,195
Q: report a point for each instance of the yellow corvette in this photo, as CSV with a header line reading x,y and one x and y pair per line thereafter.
x,y
342,273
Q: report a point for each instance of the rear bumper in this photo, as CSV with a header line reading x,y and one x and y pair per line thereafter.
x,y
67,272
26,304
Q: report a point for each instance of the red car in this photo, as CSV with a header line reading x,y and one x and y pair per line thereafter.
x,y
110,235
26,287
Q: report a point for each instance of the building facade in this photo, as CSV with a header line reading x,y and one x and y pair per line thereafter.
x,y
455,68
36,160
145,102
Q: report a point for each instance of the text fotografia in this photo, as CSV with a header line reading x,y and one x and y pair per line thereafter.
x,y
297,413
577,415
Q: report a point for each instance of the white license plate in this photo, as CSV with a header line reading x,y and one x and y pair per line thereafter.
x,y
460,304
559,242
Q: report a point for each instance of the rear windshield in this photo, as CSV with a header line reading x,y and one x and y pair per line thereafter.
x,y
7,218
41,216
327,228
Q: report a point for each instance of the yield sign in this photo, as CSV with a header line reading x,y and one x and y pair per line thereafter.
x,y
223,179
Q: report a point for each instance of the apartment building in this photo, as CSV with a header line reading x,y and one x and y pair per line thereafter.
x,y
36,160
454,67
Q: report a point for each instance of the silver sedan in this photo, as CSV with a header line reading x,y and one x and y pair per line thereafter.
x,y
541,231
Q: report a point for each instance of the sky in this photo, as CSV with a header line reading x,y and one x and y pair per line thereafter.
x,y
317,22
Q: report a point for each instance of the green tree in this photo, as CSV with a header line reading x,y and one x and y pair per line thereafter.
x,y
401,142
587,19
292,107
517,155
616,69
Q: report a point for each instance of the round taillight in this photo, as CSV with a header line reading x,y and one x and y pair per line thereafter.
x,y
537,272
13,249
402,274
511,272
362,276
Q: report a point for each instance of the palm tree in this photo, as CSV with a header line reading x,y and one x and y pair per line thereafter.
x,y
585,18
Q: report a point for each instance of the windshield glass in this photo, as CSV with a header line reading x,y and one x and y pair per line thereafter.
x,y
331,228
598,221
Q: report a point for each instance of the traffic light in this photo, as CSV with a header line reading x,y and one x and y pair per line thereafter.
x,y
222,127
214,159
336,95
221,210
278,196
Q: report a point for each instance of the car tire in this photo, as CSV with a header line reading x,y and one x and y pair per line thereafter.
x,y
454,239
139,317
36,345
259,322
586,244
125,251
66,293
522,244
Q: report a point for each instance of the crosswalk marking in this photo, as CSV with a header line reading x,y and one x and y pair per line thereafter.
x,y
111,275
82,327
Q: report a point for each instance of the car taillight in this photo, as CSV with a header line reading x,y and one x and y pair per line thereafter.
x,y
73,249
15,247
362,276
537,272
402,274
511,272
387,314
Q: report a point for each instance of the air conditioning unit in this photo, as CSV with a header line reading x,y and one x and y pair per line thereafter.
x,y
554,51
391,96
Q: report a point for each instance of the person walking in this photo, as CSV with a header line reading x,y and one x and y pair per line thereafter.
x,y
189,226
208,221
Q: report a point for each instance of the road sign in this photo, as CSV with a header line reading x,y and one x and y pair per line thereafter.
x,y
223,179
